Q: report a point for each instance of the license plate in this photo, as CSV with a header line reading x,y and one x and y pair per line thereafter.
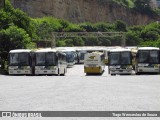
x,y
92,65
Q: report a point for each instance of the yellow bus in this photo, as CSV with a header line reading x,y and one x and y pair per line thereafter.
x,y
94,63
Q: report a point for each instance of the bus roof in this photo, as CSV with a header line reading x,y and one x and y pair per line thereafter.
x,y
66,50
148,48
46,50
120,50
98,53
20,50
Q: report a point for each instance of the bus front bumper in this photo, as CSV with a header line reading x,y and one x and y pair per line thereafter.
x,y
148,70
121,71
92,70
20,72
45,72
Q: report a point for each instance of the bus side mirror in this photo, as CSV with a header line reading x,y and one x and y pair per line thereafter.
x,y
137,55
108,53
159,56
132,57
108,58
0,62
8,58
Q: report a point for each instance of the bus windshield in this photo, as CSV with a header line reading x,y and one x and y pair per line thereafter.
x,y
45,59
148,57
125,58
19,59
120,58
154,57
114,58
50,59
82,53
69,56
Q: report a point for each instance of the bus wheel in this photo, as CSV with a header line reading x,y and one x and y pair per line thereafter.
x,y
113,74
64,73
58,73
137,73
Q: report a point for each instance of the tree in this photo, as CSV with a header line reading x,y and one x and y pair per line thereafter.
x,y
77,41
143,6
88,27
69,42
104,27
60,43
9,16
132,39
120,26
14,38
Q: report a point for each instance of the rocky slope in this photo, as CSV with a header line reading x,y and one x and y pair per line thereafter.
x,y
82,11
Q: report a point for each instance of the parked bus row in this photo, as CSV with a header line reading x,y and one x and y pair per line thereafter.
x,y
141,60
124,61
56,61
44,61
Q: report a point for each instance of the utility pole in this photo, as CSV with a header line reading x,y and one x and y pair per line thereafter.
x,y
53,42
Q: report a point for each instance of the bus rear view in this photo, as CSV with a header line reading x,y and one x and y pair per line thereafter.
x,y
120,61
147,60
94,63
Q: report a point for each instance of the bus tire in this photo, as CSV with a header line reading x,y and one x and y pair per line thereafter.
x,y
113,74
58,73
64,73
137,73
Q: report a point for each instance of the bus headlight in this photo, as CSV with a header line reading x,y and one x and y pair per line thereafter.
x,y
39,67
52,67
129,67
112,67
27,67
156,66
13,67
143,65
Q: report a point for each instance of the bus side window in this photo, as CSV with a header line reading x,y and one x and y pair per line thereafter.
x,y
59,58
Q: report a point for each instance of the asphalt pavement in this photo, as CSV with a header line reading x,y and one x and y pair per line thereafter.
x,y
78,92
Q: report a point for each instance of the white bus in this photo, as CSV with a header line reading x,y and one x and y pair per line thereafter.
x,y
20,62
120,61
70,56
81,54
94,63
147,60
49,62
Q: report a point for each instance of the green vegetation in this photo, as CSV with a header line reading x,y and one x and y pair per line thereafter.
x,y
18,30
141,6
127,3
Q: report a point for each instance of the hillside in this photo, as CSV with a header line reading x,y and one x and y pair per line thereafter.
x,y
77,11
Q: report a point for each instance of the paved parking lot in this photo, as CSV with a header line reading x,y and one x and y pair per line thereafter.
x,y
78,92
